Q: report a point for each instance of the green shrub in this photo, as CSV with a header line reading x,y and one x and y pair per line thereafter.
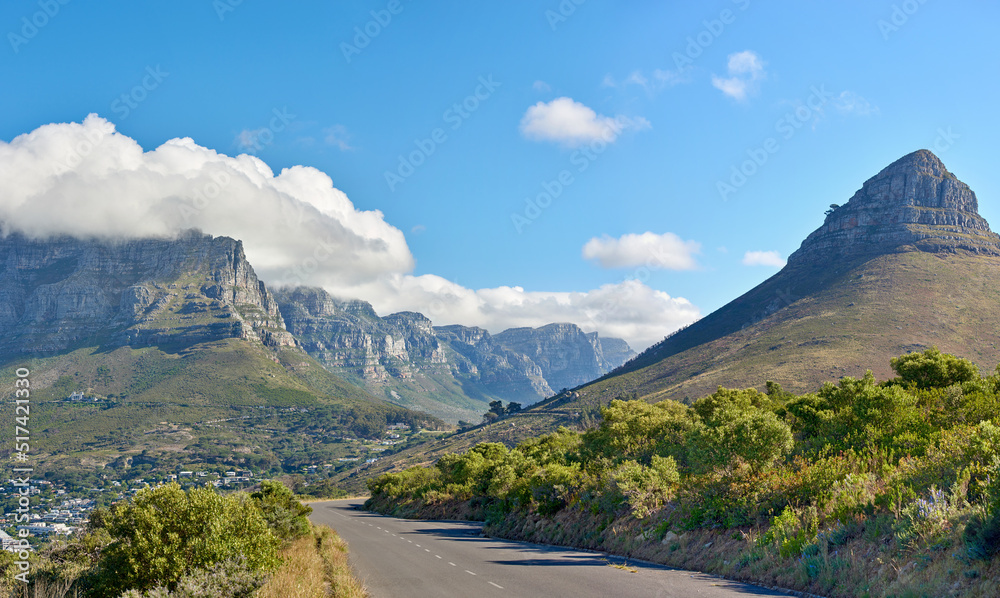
x,y
165,533
287,517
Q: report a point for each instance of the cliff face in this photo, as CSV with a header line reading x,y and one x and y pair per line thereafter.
x,y
500,371
403,351
61,293
914,202
566,354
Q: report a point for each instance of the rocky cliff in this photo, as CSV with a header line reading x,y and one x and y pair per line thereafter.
x,y
57,294
914,202
566,354
403,357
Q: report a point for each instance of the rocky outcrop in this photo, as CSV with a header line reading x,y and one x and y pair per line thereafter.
x,y
914,202
349,338
500,371
57,294
567,355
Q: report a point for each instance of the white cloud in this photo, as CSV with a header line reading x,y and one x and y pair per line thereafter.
x,y
849,102
88,180
659,79
666,251
571,123
541,86
338,136
763,258
247,140
745,70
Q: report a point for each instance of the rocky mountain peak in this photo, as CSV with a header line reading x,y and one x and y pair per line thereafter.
x,y
914,203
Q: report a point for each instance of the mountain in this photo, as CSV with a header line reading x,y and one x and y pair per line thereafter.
x,y
907,263
166,339
63,293
567,356
449,371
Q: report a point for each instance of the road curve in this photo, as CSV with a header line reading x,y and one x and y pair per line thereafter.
x,y
398,558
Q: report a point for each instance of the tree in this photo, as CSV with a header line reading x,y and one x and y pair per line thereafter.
x,y
287,517
933,369
165,533
497,407
513,407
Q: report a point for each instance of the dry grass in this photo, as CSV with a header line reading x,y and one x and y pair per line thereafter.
x,y
314,566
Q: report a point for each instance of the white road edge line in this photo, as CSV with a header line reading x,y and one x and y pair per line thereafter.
x,y
469,572
495,585
437,556
452,564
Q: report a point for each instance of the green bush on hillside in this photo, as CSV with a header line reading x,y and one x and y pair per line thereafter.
x,y
910,460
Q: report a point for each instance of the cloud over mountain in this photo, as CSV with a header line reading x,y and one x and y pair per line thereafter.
x,y
87,180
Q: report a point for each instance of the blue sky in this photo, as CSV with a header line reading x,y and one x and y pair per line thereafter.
x,y
641,108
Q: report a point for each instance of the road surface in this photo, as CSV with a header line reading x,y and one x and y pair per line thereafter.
x,y
400,558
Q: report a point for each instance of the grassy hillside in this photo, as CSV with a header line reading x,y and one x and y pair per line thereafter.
x,y
849,320
229,402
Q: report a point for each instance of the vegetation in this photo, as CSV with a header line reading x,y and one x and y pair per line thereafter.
x,y
220,405
168,543
860,488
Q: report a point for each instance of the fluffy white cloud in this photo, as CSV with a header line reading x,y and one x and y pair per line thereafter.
x,y
746,69
88,180
571,123
763,258
666,251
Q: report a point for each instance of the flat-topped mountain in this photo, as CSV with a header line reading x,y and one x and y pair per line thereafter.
x,y
59,294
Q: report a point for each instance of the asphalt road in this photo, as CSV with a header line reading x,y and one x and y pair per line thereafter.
x,y
400,558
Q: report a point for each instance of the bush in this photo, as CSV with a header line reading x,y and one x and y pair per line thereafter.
x,y
287,517
165,533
